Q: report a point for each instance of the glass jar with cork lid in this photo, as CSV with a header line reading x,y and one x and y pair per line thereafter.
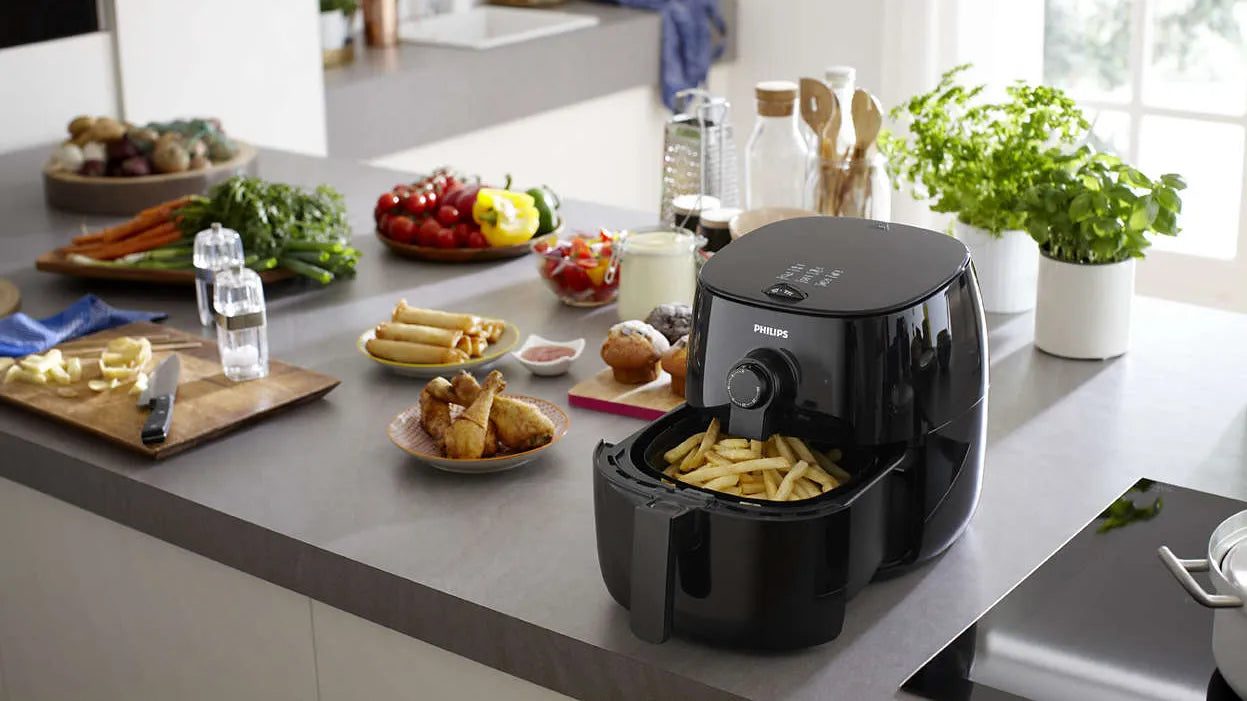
x,y
777,159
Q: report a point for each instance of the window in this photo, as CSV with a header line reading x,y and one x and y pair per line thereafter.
x,y
1165,82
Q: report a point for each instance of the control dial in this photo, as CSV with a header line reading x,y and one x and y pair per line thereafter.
x,y
748,384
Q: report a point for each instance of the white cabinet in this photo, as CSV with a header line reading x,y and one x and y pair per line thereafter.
x,y
91,609
358,659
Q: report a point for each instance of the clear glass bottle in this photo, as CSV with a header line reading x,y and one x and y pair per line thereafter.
x,y
843,81
242,333
216,249
777,158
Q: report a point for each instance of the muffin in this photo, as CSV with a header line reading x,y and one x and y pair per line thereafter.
x,y
633,349
672,320
675,362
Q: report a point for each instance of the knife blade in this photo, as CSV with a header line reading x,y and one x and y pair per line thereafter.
x,y
162,388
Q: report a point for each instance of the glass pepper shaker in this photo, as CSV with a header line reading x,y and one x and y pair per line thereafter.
x,y
216,249
242,333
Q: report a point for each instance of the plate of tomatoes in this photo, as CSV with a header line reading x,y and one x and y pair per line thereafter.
x,y
575,267
432,219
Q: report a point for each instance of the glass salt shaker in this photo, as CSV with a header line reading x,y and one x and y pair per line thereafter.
x,y
216,249
242,334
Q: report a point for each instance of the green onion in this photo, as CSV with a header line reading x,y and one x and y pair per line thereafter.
x,y
306,269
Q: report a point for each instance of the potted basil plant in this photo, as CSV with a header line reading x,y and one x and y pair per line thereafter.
x,y
1092,220
335,23
976,159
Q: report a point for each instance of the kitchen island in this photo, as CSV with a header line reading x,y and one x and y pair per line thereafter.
x,y
502,569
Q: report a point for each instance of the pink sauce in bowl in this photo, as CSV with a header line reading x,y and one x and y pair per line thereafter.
x,y
545,354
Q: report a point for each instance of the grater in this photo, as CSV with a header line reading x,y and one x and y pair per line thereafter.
x,y
699,155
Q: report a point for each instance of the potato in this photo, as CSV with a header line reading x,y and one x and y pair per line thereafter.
x,y
80,124
107,129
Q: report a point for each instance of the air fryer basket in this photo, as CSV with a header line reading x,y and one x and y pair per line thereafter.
x,y
672,429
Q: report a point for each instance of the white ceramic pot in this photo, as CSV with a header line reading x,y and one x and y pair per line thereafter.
x,y
1005,265
1226,565
1083,311
333,30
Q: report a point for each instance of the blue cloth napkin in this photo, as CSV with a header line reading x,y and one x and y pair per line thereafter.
x,y
22,335
688,46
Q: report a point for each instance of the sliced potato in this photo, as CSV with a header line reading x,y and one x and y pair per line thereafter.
x,y
57,374
73,366
6,363
67,392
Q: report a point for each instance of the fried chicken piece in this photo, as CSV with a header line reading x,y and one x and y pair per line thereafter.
x,y
440,389
466,437
434,414
520,425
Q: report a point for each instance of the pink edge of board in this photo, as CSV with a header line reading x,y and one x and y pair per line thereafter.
x,y
609,407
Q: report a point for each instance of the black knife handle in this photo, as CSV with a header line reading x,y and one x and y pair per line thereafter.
x,y
156,428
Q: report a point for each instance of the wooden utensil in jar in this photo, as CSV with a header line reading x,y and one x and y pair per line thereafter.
x,y
819,108
854,192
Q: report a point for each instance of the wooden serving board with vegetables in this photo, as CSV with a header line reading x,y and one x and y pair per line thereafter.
x,y
207,404
285,231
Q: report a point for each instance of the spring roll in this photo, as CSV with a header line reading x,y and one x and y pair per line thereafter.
x,y
428,335
406,352
431,317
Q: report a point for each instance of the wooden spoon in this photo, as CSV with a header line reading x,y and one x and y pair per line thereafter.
x,y
867,120
816,105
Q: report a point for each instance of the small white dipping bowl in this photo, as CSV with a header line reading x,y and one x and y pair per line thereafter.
x,y
549,368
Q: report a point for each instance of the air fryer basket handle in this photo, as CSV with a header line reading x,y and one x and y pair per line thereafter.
x,y
654,546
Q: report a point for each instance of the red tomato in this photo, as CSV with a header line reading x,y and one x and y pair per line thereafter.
x,y
383,223
433,199
402,229
387,201
580,249
551,268
445,238
461,231
427,234
575,278
476,239
447,215
605,251
415,204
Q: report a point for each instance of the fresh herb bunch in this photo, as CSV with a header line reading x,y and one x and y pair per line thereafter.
x,y
348,7
280,225
978,159
1098,209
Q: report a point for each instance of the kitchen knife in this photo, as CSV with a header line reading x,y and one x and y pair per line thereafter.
x,y
162,389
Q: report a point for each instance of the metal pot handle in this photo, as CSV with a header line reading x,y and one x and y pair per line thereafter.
x,y
654,547
1182,569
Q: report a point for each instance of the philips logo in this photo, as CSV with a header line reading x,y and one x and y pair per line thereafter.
x,y
770,331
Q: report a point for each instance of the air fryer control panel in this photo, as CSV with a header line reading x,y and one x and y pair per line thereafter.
x,y
810,274
884,378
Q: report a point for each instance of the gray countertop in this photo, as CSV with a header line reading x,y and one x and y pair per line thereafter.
x,y
396,98
502,568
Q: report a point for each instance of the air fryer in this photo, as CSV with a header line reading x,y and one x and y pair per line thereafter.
x,y
852,334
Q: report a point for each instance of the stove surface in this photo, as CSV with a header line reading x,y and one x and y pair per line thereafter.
x,y
1101,619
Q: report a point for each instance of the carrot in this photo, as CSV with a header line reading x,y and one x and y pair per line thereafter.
x,y
145,220
145,240
88,238
129,246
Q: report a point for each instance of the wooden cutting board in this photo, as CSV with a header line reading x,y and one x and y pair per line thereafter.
x,y
602,393
207,404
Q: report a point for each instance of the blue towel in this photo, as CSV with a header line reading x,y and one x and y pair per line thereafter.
x,y
21,335
688,46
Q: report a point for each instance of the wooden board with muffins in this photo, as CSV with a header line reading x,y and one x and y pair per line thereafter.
x,y
647,366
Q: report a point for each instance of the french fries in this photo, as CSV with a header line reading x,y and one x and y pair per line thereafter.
x,y
781,468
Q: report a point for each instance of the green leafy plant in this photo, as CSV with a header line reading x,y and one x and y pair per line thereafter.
x,y
1098,209
348,7
978,159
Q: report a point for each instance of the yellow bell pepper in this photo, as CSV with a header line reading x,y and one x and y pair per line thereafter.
x,y
506,218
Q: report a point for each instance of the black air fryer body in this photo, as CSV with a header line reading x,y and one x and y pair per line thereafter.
x,y
848,333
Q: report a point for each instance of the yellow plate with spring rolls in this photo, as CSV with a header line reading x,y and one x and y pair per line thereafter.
x,y
430,342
